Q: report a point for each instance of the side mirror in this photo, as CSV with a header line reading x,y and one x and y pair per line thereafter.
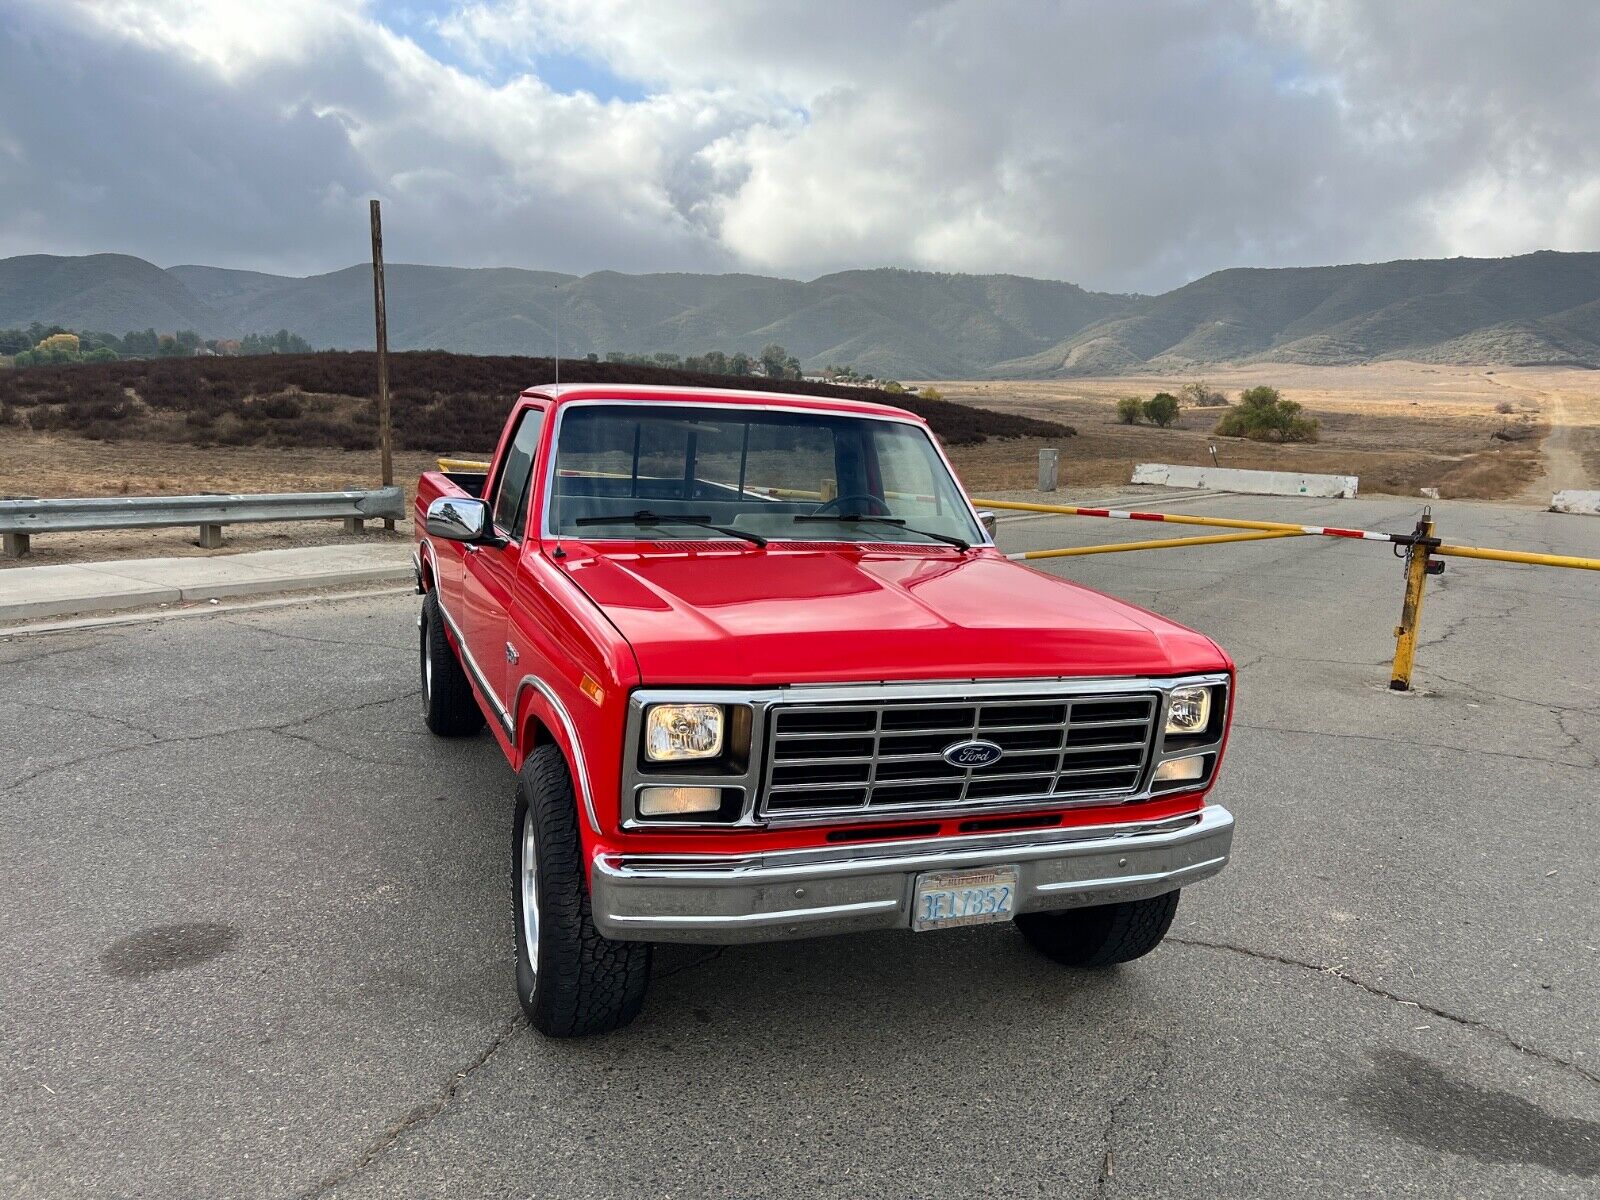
x,y
458,519
989,521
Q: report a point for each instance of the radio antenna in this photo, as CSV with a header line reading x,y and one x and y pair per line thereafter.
x,y
558,334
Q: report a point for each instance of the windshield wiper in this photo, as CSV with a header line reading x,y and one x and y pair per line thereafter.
x,y
645,519
895,521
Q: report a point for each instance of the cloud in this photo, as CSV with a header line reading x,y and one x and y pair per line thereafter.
x,y
1120,146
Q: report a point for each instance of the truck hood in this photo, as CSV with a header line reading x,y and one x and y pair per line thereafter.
x,y
706,614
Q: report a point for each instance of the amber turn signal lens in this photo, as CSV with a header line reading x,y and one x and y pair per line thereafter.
x,y
675,801
1181,770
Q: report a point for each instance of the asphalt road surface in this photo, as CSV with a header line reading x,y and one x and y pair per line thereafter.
x,y
257,941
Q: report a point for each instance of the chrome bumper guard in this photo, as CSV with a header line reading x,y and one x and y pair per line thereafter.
x,y
839,889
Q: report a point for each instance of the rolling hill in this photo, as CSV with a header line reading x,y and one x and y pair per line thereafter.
x,y
1541,308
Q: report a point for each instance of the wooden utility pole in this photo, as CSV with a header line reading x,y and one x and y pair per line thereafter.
x,y
385,432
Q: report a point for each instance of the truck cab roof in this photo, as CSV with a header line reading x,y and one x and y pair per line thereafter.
x,y
567,393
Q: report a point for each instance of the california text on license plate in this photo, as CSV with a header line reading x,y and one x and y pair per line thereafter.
x,y
946,899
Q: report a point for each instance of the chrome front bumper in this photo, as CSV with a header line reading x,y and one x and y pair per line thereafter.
x,y
838,889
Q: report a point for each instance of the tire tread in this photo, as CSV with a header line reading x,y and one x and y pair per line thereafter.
x,y
588,983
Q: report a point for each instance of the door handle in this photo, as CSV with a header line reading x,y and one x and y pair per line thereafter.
x,y
511,654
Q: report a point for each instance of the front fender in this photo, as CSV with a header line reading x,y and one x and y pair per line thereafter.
x,y
537,705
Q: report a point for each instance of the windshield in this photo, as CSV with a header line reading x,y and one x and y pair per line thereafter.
x,y
678,472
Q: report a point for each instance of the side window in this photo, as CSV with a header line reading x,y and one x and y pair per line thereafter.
x,y
511,496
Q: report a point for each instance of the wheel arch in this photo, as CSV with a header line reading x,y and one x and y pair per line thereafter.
x,y
427,574
542,719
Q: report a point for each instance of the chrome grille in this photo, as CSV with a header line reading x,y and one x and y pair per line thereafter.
x,y
839,758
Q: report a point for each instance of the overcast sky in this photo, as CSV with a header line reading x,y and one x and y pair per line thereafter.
x,y
1123,146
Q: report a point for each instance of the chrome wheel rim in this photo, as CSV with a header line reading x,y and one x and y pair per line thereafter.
x,y
530,895
427,673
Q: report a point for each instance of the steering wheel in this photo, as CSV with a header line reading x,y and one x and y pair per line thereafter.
x,y
839,501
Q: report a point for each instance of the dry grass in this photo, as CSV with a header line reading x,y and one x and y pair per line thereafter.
x,y
1399,426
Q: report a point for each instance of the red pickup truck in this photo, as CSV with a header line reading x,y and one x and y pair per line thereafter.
x,y
763,674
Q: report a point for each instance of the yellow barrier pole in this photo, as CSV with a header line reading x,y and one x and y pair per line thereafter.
x,y
1518,556
1405,633
1166,544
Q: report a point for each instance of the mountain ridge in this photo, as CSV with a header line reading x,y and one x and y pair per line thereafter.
x,y
1540,308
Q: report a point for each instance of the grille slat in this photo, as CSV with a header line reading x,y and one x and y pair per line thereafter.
x,y
837,759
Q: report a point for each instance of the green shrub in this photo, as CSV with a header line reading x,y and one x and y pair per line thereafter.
x,y
1201,394
1130,410
1161,409
1264,416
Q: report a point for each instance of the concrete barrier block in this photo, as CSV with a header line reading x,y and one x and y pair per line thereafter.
x,y
1587,503
1255,483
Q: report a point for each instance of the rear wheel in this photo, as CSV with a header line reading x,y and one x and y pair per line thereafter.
x,y
1101,936
448,705
571,980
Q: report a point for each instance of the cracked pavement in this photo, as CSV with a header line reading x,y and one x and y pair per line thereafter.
x,y
258,937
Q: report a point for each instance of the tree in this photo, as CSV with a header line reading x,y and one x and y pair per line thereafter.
x,y
773,359
1201,394
14,341
1161,409
1130,410
739,364
140,345
716,362
59,341
1265,416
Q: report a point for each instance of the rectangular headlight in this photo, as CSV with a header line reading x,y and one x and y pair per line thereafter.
x,y
1189,711
680,732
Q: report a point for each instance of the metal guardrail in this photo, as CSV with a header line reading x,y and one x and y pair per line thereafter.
x,y
20,520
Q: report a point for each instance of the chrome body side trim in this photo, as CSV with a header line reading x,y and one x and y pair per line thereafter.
x,y
835,889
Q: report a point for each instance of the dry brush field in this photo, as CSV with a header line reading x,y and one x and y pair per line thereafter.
x,y
1400,427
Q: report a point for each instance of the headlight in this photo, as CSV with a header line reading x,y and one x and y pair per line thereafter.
x,y
676,732
1189,712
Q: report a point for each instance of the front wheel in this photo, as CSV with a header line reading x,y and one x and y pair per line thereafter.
x,y
1101,936
571,980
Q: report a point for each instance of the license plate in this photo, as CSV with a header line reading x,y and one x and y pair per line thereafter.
x,y
947,899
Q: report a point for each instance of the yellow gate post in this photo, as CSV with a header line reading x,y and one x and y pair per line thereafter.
x,y
1417,572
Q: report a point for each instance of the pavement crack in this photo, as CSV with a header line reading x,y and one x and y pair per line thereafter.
x,y
304,637
123,722
173,739
715,953
418,1116
1108,1138
1412,742
29,659
1373,989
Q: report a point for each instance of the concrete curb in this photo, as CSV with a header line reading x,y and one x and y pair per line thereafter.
x,y
31,593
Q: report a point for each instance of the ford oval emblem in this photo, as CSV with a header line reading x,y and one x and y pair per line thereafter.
x,y
973,754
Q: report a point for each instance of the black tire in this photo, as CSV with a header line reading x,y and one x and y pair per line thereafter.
x,y
582,983
448,705
1101,936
